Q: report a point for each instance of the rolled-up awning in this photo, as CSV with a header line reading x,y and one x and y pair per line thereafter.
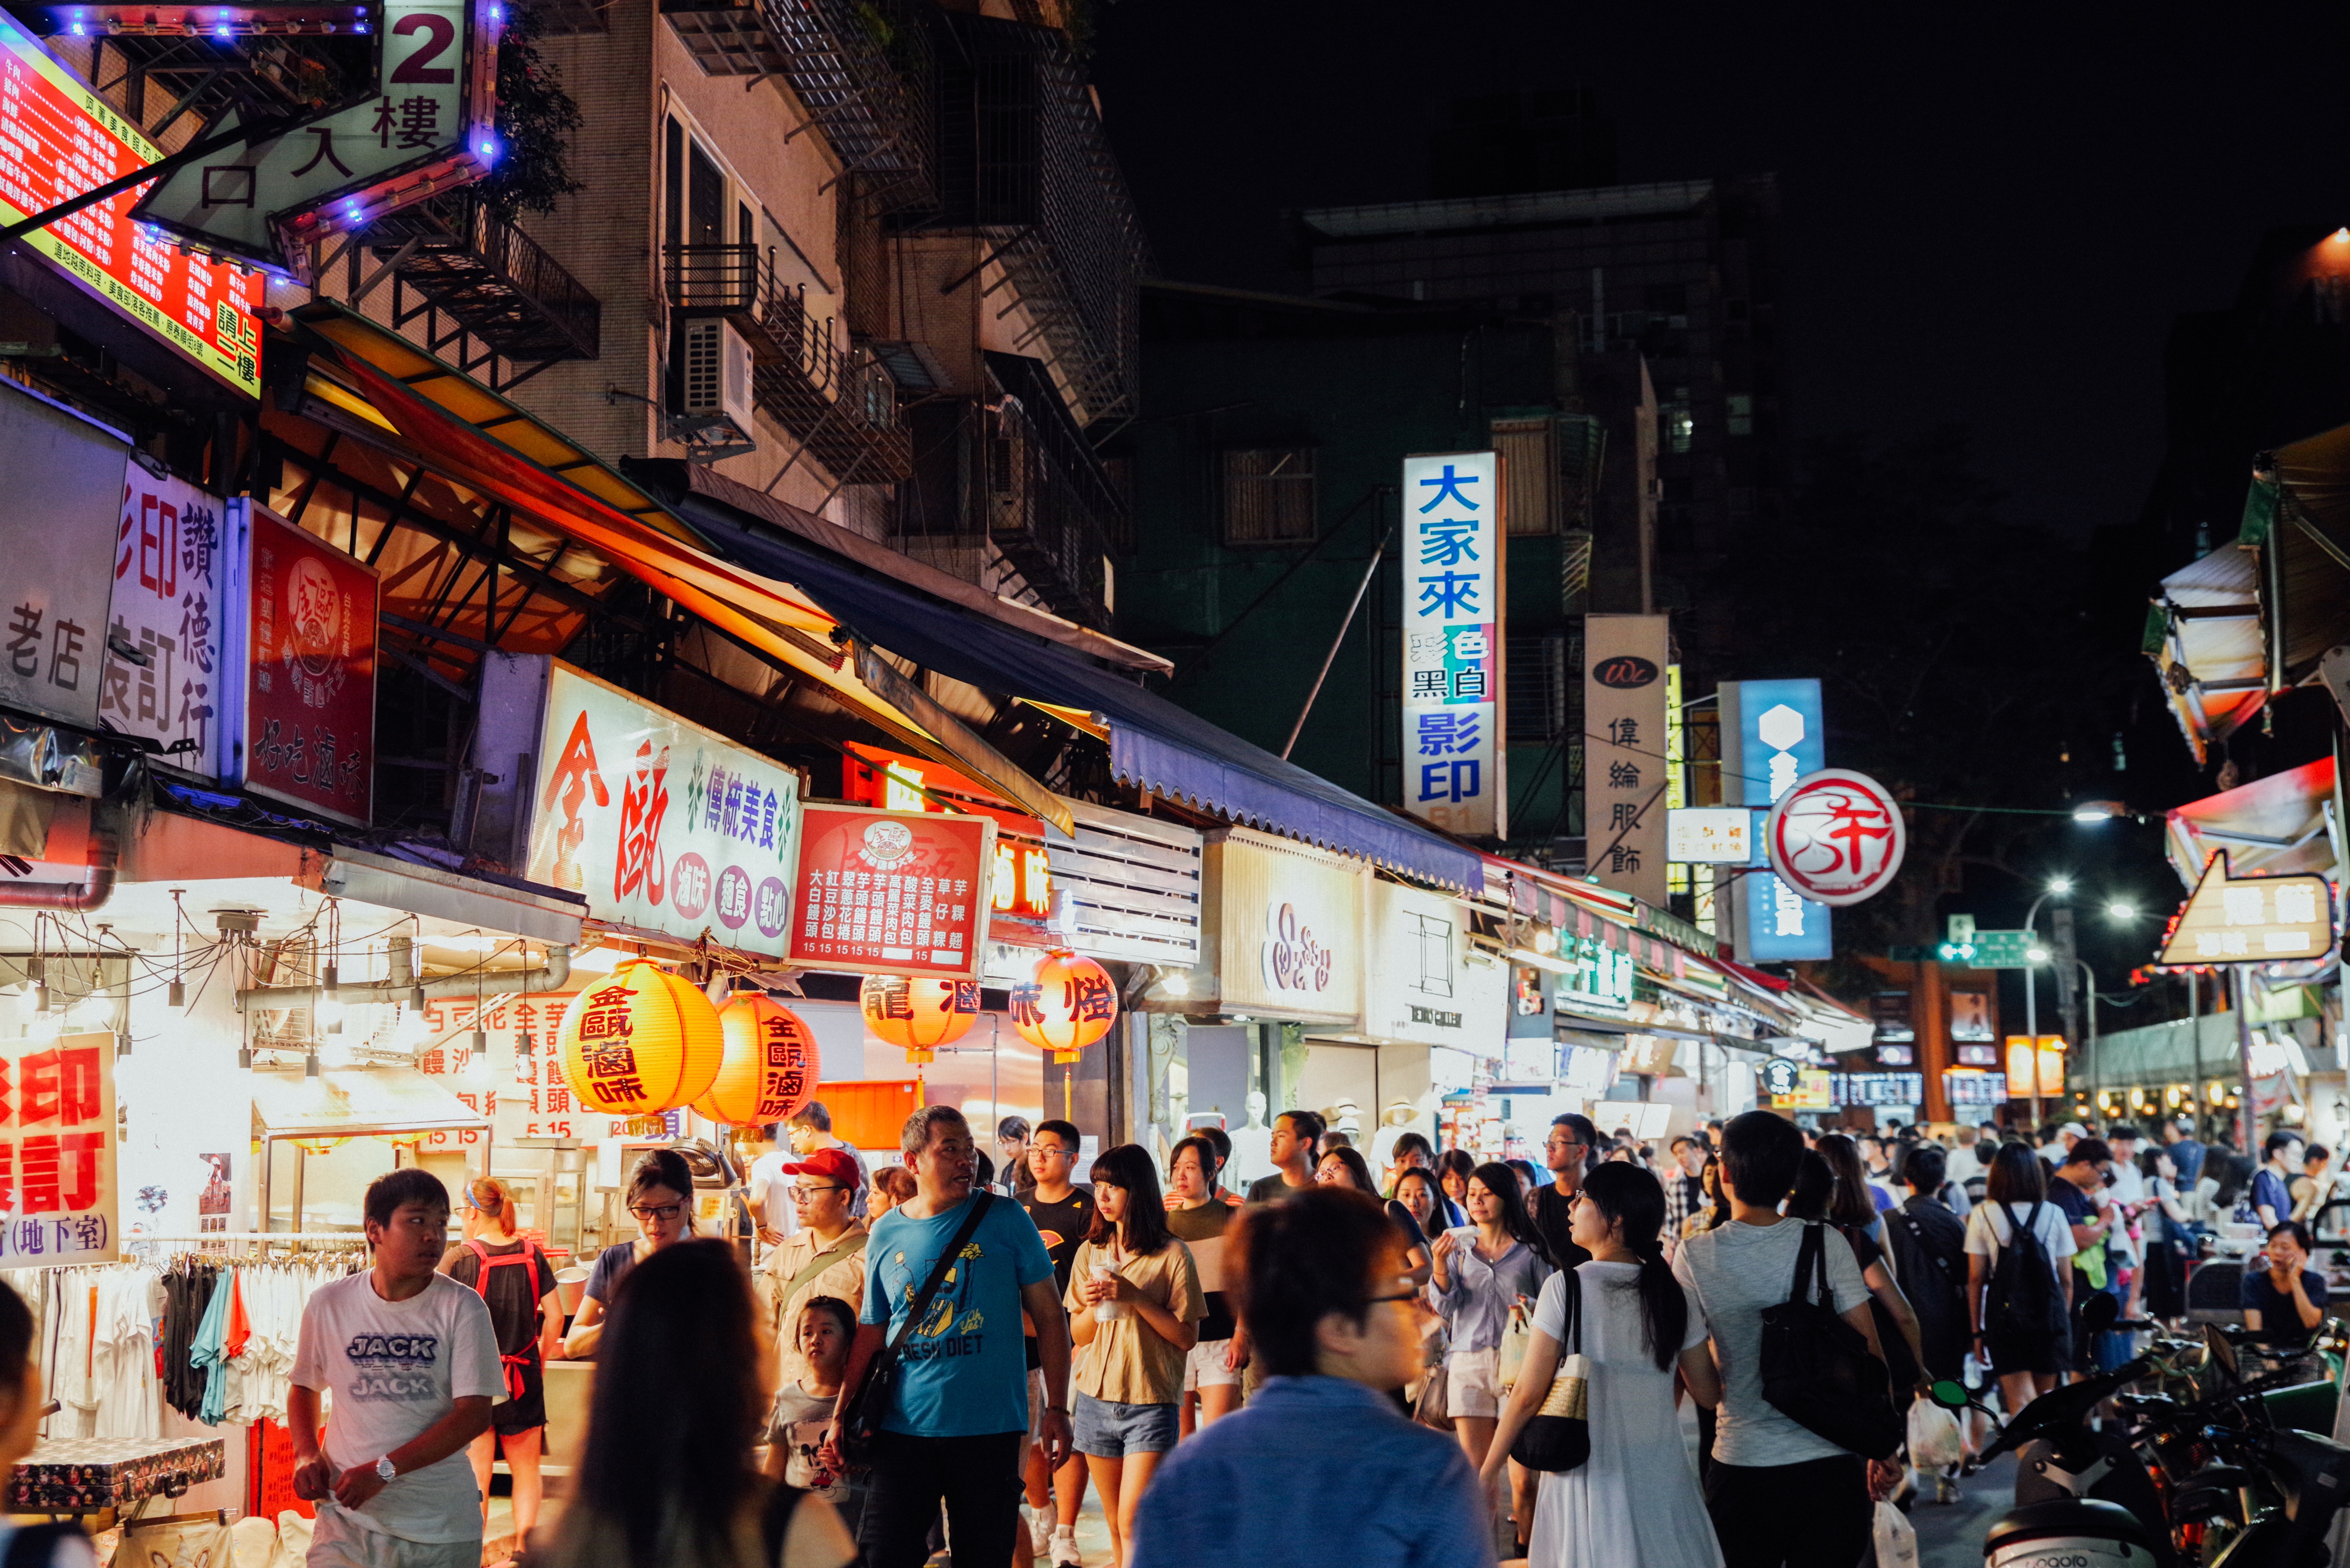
x,y
2269,828
2205,639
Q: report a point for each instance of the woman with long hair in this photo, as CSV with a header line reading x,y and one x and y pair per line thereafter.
x,y
1832,1185
2025,1357
660,1198
1635,1498
666,1479
1345,1167
1135,1310
1199,1218
517,1283
1418,1191
1482,1270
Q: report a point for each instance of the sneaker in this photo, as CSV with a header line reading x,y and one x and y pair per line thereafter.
x,y
1039,1532
1065,1549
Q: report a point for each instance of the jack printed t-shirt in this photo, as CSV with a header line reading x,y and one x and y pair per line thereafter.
x,y
962,1371
389,1370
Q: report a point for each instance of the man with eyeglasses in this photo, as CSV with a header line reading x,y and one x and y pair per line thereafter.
x,y
1567,1152
1320,1466
825,1256
1063,1209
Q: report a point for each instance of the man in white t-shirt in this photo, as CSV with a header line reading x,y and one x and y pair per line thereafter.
x,y
409,1358
768,1191
1778,1492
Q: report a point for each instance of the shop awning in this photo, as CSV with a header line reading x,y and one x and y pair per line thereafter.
x,y
2204,637
1153,744
354,1102
2268,827
2297,516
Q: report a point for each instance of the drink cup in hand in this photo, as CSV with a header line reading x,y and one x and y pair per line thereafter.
x,y
1107,1311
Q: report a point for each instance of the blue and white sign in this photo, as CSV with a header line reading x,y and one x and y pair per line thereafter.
x,y
1452,639
1773,734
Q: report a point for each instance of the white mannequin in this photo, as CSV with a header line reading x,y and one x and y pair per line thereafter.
x,y
1252,1148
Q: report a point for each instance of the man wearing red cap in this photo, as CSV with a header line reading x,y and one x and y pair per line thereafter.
x,y
824,1257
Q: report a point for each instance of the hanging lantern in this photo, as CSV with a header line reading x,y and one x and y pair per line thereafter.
x,y
1065,1004
318,1144
920,1016
770,1068
643,1041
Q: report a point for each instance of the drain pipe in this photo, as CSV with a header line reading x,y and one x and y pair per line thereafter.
x,y
404,986
72,897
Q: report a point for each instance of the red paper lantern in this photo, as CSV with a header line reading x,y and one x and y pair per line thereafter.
x,y
1065,1004
643,1041
919,1015
770,1066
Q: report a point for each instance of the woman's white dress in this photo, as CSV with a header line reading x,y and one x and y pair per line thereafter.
x,y
1635,1503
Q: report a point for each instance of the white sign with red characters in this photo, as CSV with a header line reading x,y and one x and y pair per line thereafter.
x,y
661,823
1836,838
58,1190
524,1096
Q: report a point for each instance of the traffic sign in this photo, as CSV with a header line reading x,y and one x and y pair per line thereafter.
x,y
1993,950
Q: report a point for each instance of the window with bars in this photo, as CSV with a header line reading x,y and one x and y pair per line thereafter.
x,y
1269,495
1540,696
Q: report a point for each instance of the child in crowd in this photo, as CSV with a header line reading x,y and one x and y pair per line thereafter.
x,y
803,1409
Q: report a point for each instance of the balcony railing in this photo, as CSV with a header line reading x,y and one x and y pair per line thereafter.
x,y
494,284
841,406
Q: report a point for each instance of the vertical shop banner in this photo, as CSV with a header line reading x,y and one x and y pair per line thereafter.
x,y
1626,775
309,698
1772,736
167,558
664,825
1453,634
57,139
892,892
60,554
522,1092
57,1187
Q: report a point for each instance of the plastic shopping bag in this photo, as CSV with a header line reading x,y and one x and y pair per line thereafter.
x,y
1896,1539
1935,1439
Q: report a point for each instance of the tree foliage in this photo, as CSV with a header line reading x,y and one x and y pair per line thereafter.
x,y
535,119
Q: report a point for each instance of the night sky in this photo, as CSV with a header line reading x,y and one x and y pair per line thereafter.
x,y
1990,216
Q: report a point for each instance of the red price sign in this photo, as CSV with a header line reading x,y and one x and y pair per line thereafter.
x,y
58,139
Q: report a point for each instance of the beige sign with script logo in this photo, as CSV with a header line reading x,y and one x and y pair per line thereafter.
x,y
1289,925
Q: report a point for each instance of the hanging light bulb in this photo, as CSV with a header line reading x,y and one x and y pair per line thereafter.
x,y
179,992
328,1008
310,1064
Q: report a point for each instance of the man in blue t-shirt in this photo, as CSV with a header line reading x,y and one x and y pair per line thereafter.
x,y
960,1405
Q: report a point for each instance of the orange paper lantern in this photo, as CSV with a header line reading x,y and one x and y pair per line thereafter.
x,y
642,1042
770,1067
1066,1004
919,1015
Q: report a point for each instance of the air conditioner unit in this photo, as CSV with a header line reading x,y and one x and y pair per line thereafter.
x,y
717,378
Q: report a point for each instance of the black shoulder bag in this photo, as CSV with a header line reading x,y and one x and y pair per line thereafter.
x,y
1816,1368
1557,1436
861,1417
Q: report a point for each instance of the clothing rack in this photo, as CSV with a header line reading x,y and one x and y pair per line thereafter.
x,y
350,1238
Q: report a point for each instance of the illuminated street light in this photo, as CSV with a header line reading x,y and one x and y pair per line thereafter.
x,y
2090,813
2059,886
2121,911
2037,955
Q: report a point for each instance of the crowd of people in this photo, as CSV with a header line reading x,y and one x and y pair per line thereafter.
x,y
1337,1364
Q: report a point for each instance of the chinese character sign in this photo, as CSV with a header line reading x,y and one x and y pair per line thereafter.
x,y
1452,642
60,536
523,1092
57,139
892,892
661,823
168,550
57,1196
1772,736
1624,764
2251,919
309,704
1836,838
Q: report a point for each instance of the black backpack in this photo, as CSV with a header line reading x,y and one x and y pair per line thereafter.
x,y
2023,1299
1928,1244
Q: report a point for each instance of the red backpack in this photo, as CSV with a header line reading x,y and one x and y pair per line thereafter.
x,y
528,1259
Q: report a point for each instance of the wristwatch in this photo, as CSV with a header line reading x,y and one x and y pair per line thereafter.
x,y
386,1468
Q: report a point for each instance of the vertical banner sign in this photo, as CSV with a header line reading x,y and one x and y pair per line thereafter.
x,y
65,475
168,559
661,823
1625,773
309,700
58,1190
1453,587
1772,736
892,892
57,139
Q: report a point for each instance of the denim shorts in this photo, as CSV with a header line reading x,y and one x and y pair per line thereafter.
x,y
1107,1431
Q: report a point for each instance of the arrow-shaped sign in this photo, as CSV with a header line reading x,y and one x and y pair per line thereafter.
x,y
2252,919
426,129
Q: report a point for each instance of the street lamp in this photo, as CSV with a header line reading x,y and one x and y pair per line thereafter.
x,y
2121,911
2036,957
